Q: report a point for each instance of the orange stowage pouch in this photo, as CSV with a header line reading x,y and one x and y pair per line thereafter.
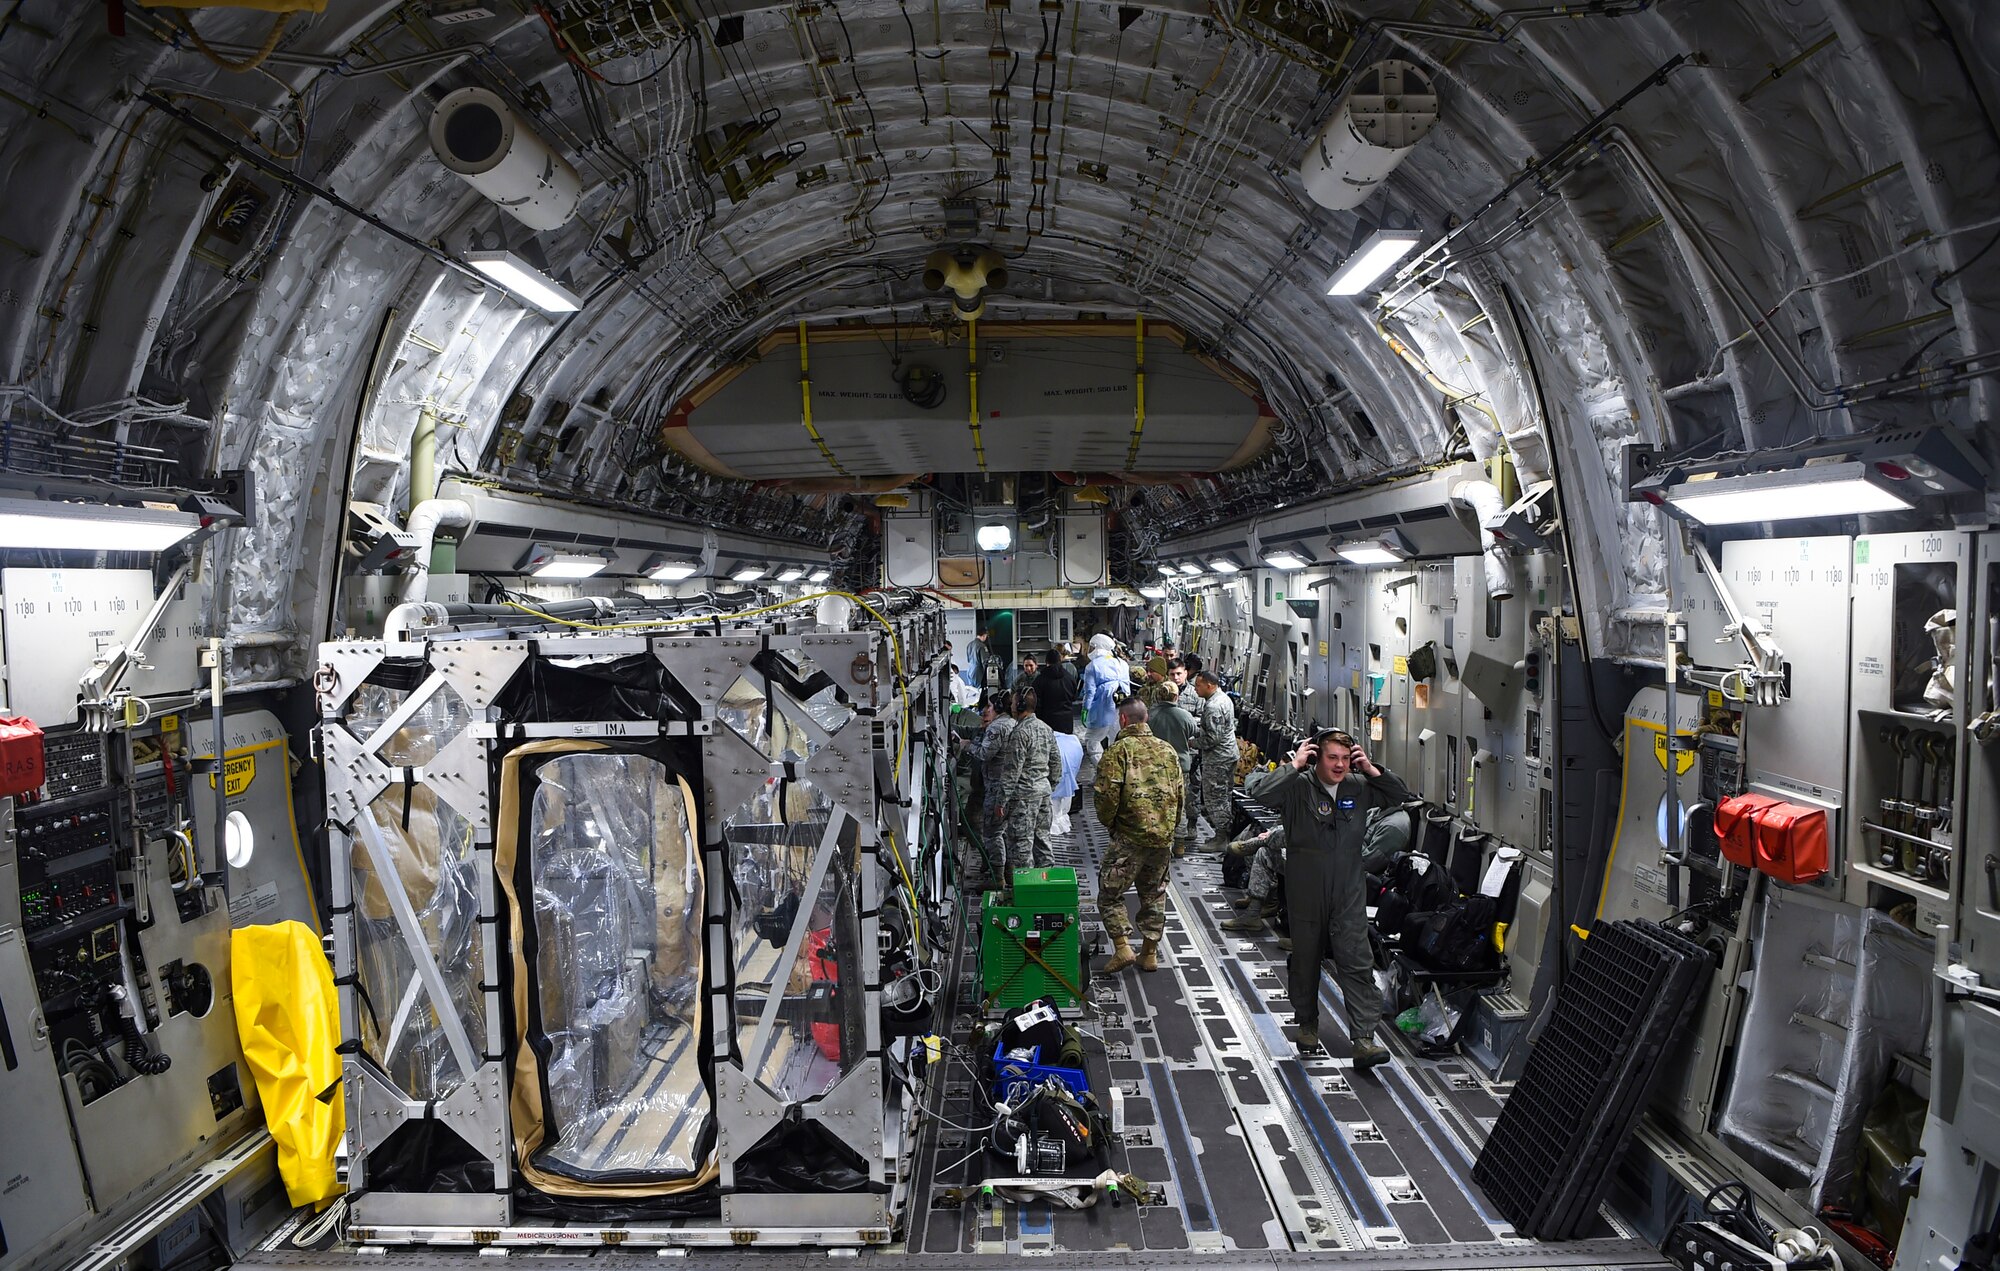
x,y
1735,822
1785,840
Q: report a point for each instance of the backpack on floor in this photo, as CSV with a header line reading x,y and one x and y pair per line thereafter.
x,y
1458,937
1412,884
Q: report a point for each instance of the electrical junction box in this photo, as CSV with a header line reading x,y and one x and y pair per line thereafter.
x,y
1033,948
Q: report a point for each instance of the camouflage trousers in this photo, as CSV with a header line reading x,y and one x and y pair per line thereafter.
x,y
973,872
1211,791
1027,834
1184,832
1267,872
1127,866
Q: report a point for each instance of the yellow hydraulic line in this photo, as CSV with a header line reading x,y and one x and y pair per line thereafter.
x,y
1139,403
972,387
1458,396
806,406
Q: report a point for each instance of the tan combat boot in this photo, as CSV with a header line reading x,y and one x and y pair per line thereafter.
x,y
1149,956
1121,956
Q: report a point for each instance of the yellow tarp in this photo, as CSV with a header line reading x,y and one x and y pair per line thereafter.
x,y
288,1024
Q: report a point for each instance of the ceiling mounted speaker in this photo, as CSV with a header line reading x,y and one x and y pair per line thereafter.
x,y
1393,106
476,134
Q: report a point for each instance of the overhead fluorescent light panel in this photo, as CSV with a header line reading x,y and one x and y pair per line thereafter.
x,y
1846,489
91,527
1376,256
545,561
524,280
672,569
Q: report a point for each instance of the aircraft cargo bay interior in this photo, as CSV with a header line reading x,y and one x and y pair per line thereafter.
x,y
777,633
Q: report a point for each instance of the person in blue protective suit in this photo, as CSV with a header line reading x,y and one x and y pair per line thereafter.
x,y
1325,800
1106,682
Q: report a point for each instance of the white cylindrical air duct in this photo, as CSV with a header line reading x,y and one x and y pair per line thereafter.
x,y
476,134
1483,497
1393,104
425,521
834,613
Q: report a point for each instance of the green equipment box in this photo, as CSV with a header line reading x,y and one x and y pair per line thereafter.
x,y
1033,948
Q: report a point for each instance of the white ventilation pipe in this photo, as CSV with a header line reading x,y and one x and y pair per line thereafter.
x,y
406,617
1483,497
429,517
1392,106
476,134
834,613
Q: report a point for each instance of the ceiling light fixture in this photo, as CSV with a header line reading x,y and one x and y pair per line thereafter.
x,y
89,527
544,561
819,576
1190,569
1368,262
524,280
1153,591
1168,571
1368,554
1889,470
1282,559
1839,489
791,573
1224,565
672,569
748,572
994,538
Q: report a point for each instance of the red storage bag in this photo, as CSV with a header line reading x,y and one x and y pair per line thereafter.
x,y
1736,824
1791,842
20,756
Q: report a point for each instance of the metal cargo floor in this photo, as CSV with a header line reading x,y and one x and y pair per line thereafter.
x,y
1260,1158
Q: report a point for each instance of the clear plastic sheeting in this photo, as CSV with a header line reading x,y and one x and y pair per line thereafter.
x,y
746,708
434,867
818,696
794,863
1835,995
265,553
429,729
618,905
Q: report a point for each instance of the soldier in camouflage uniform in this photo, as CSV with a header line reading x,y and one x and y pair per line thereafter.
x,y
1181,673
1138,797
1267,868
1215,743
989,748
1033,768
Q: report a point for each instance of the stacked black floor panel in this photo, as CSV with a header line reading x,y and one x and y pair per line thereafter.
x,y
1589,1077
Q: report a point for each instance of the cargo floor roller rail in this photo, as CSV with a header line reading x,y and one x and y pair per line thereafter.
x,y
635,912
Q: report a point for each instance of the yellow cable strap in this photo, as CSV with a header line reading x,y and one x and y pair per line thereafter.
x,y
972,385
1139,403
806,406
